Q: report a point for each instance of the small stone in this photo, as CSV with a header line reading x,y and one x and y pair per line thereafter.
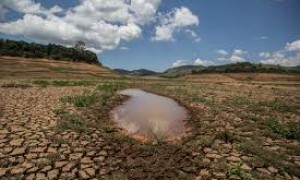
x,y
38,149
102,171
86,160
46,168
16,171
103,153
7,150
220,175
99,159
68,167
297,163
18,151
33,169
60,164
31,156
233,159
207,150
272,169
2,171
263,170
75,156
30,177
213,156
245,167
51,150
53,174
16,142
83,174
40,176
90,171
204,172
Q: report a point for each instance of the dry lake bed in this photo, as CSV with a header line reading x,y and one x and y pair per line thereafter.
x,y
63,129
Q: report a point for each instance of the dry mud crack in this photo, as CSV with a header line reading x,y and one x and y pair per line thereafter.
x,y
32,148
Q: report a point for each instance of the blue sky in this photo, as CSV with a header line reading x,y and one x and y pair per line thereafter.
x,y
203,32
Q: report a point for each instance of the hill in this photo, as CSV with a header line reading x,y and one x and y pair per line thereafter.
x,y
139,72
244,67
50,51
16,67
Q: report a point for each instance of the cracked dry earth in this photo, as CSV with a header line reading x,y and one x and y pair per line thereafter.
x,y
32,148
29,146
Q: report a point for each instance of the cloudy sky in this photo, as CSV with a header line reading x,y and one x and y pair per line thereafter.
x,y
159,34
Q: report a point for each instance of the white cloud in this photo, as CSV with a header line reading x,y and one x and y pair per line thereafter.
x,y
294,46
124,48
97,51
178,63
174,21
203,62
238,55
222,52
261,38
101,24
193,35
28,7
198,62
56,9
288,56
144,10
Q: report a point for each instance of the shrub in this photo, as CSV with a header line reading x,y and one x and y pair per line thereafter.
x,y
290,130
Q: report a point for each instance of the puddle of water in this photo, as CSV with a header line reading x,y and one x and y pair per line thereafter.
x,y
150,116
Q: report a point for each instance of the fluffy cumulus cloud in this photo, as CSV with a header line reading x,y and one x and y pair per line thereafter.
x,y
201,62
237,55
101,24
287,56
197,62
174,21
222,52
178,63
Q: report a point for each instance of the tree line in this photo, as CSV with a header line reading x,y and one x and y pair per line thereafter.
x,y
78,53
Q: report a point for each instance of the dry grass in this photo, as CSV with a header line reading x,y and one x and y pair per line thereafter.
x,y
15,67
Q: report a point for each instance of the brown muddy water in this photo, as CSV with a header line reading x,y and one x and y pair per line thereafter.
x,y
147,116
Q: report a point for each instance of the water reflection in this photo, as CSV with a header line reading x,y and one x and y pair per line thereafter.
x,y
149,115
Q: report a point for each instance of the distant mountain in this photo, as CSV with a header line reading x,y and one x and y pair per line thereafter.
x,y
230,68
182,70
139,72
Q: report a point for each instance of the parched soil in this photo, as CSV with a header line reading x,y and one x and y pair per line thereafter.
x,y
237,131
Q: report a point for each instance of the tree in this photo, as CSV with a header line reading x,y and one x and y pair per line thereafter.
x,y
79,46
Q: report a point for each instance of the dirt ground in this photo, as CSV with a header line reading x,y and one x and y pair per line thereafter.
x,y
238,129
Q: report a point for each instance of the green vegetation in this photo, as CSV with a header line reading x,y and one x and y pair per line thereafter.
x,y
236,170
241,67
62,83
111,86
278,105
72,83
290,130
73,122
237,101
41,83
50,51
79,101
16,85
60,112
